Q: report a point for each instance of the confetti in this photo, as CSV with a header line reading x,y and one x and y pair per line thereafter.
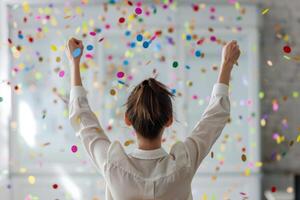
x,y
53,47
139,37
138,11
270,63
175,64
89,47
128,142
287,49
55,186
76,52
31,180
101,39
1,99
244,158
93,33
273,189
74,148
121,20
265,11
146,44
112,92
197,53
61,73
120,74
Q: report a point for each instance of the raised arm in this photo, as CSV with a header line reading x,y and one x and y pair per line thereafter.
x,y
215,116
82,119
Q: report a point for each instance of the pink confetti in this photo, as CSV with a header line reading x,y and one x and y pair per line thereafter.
x,y
138,11
74,148
90,56
61,73
92,33
120,74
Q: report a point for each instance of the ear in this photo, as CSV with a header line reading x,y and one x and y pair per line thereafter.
x,y
170,121
127,121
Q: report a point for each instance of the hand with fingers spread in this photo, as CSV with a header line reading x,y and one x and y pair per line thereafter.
x,y
74,50
230,55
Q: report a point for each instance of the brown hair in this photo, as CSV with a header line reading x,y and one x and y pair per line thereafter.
x,y
149,107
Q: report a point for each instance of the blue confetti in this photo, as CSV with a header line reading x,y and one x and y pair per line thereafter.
x,y
188,37
89,47
139,37
127,33
197,53
187,67
76,52
125,62
145,44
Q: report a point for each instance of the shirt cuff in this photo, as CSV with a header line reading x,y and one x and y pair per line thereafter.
x,y
77,91
220,89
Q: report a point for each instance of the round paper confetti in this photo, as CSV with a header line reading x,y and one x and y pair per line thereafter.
x,y
112,92
244,157
76,52
89,47
74,148
197,53
138,11
273,189
121,20
120,74
31,179
139,37
61,73
54,186
145,44
53,47
92,33
287,49
175,64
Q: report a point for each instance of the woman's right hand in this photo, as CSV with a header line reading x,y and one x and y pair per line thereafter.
x,y
230,55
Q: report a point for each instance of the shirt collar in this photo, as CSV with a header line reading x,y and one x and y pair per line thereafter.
x,y
148,154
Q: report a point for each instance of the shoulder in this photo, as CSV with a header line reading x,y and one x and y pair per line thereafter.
x,y
180,154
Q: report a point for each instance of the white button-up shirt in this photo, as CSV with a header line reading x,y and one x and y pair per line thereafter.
x,y
149,174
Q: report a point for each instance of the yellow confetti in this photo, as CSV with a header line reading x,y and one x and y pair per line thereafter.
x,y
31,179
53,47
247,172
26,7
258,164
128,142
263,122
298,138
237,5
265,11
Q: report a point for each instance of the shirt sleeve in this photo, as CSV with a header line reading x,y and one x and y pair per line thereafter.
x,y
87,127
210,126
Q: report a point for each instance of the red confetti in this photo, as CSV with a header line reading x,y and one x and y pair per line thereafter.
x,y
121,20
101,39
199,42
55,186
195,7
287,49
130,3
273,189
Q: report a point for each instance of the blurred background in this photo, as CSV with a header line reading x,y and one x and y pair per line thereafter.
x,y
256,157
